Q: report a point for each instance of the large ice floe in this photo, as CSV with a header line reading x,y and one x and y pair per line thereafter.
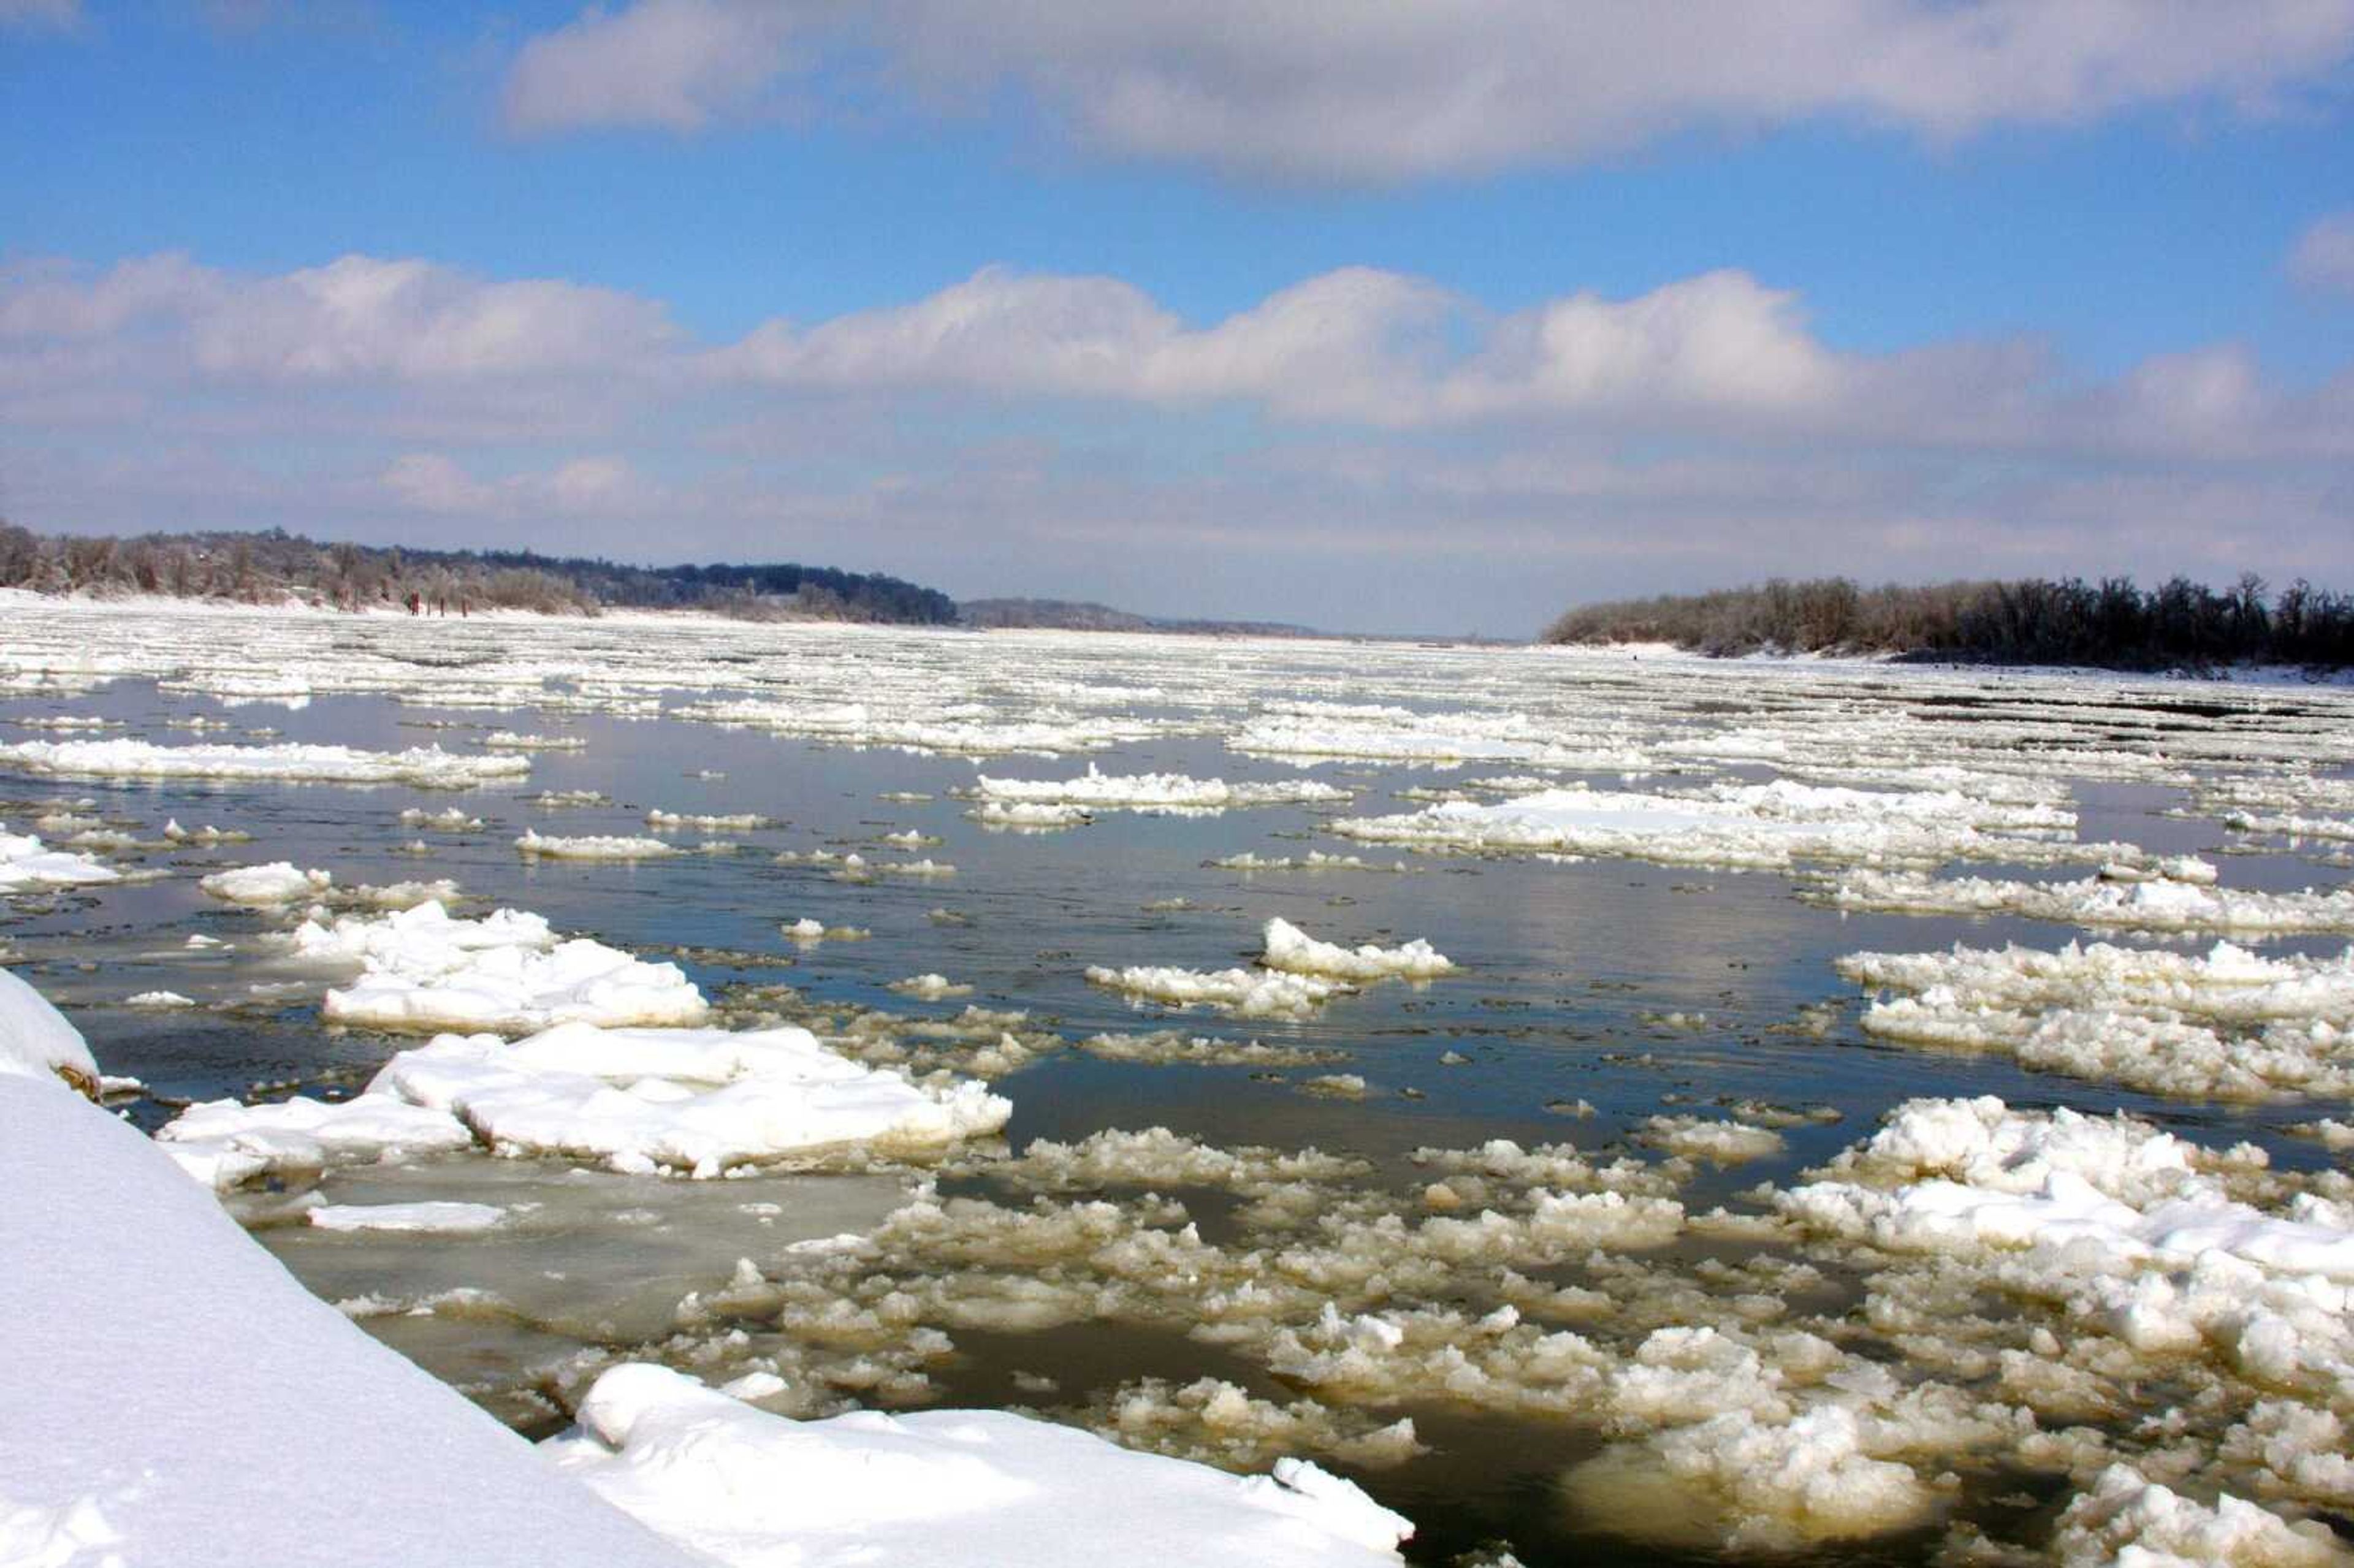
x,y
421,970
1095,790
945,1487
2162,904
1744,825
2226,1023
279,882
696,1102
28,865
1299,974
426,768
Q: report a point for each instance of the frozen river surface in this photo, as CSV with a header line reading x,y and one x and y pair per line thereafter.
x,y
1612,1109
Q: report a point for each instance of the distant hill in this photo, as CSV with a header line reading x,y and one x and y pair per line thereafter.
x,y
276,564
1076,615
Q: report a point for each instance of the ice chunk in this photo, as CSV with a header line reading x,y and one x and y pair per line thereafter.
x,y
1293,951
279,882
2153,906
593,846
1249,993
698,1100
25,863
947,1488
427,768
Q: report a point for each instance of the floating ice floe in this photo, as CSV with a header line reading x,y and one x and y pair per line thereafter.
x,y
452,819
427,768
536,845
1149,792
435,1217
159,999
508,740
691,1101
27,865
930,986
1294,951
2226,1023
2151,906
421,970
664,821
951,1488
1249,993
1314,860
1398,735
1975,1173
1704,1138
1761,825
2129,1520
279,882
224,1144
1037,816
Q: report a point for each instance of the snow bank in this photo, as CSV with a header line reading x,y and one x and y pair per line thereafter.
x,y
2152,905
25,865
279,882
1294,951
139,1267
946,1487
36,1041
427,768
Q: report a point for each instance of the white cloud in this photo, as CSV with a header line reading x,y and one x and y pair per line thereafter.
x,y
583,487
62,15
2323,257
1371,444
1387,89
672,64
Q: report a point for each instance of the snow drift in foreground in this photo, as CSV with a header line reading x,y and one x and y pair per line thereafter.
x,y
1749,825
27,863
427,768
2226,1023
949,1488
140,1268
421,970
693,1101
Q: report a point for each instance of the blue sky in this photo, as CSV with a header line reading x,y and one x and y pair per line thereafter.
x,y
1383,314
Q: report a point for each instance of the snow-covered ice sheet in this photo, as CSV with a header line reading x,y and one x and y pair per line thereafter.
x,y
421,970
2227,1023
2160,904
279,882
426,768
1762,825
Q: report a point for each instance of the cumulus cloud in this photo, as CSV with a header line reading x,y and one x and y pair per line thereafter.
x,y
60,15
2323,257
1388,89
1386,442
675,64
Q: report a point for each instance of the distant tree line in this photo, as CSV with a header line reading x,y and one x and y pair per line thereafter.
x,y
2179,625
272,567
